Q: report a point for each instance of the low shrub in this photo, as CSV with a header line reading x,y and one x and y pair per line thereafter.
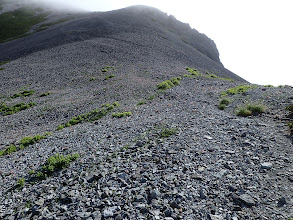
x,y
53,164
151,97
168,84
236,90
8,150
251,109
121,115
290,108
45,94
225,102
222,106
23,93
26,141
244,112
109,77
165,85
167,132
141,102
4,62
256,108
21,182
90,116
6,110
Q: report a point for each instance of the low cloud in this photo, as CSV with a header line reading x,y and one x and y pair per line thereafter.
x,y
55,5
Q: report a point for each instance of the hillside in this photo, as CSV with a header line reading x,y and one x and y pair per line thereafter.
x,y
117,115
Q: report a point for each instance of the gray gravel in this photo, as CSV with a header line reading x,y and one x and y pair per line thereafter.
x,y
216,166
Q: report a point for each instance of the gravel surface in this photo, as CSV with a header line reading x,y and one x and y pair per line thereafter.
x,y
213,165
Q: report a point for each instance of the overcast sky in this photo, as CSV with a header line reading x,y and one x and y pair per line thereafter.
x,y
254,37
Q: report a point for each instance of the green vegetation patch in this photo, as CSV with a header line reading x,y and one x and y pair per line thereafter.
x,y
106,69
8,150
224,103
109,77
151,97
23,93
21,182
167,132
6,110
17,23
25,142
91,116
45,94
4,62
168,84
236,90
121,114
251,109
290,108
141,102
193,73
53,164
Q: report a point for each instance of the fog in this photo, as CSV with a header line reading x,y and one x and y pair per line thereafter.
x,y
254,38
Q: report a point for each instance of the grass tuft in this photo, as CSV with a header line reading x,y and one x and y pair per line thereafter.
x,y
109,77
8,150
6,110
251,109
141,102
121,115
167,132
53,164
236,90
23,93
45,94
90,116
225,101
25,142
168,84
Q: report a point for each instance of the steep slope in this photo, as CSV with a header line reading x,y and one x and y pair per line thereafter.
x,y
148,32
167,152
